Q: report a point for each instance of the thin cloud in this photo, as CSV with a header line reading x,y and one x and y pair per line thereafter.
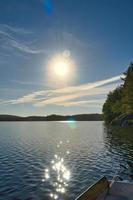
x,y
9,40
23,47
69,96
88,103
15,29
77,91
28,83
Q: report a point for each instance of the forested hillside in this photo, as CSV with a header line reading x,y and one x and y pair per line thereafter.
x,y
120,101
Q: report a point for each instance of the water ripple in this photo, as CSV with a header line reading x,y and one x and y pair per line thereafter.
x,y
48,160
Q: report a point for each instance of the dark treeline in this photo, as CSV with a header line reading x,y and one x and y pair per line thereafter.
x,y
120,101
80,117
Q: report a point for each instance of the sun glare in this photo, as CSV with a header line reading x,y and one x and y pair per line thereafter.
x,y
61,66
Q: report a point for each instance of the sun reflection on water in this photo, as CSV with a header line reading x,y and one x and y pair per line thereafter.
x,y
57,174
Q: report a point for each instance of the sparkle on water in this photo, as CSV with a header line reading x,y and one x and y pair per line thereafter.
x,y
93,151
57,174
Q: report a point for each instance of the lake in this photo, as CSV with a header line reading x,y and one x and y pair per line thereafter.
x,y
59,160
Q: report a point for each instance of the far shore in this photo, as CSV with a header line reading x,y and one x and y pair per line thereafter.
x,y
79,117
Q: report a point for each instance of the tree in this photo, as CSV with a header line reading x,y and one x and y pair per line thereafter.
x,y
113,104
120,101
128,90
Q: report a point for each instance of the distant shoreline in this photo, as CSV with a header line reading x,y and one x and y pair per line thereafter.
x,y
79,117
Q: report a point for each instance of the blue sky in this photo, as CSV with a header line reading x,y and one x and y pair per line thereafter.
x,y
98,35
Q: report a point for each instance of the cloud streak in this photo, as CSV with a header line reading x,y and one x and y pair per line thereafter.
x,y
88,103
9,40
11,29
70,96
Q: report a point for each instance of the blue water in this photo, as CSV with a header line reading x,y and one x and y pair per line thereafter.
x,y
58,160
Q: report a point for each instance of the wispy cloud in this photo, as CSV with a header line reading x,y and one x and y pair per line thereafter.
x,y
88,103
12,29
10,39
23,47
70,93
21,40
28,83
82,95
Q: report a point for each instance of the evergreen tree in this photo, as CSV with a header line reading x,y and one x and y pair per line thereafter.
x,y
120,101
128,90
113,104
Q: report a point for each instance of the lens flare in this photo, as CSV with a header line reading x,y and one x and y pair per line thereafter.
x,y
72,123
48,6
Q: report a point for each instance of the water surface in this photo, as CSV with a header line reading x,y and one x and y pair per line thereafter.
x,y
59,160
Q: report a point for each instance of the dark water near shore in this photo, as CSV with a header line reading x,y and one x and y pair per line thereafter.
x,y
56,160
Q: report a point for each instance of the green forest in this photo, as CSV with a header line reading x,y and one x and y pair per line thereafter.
x,y
120,101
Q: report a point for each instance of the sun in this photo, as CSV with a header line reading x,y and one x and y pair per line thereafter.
x,y
61,66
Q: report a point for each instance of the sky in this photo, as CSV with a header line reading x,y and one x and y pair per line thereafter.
x,y
97,36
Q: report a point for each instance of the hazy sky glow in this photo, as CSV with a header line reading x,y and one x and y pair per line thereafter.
x,y
95,35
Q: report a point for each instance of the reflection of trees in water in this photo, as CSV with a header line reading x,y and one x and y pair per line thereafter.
x,y
120,142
